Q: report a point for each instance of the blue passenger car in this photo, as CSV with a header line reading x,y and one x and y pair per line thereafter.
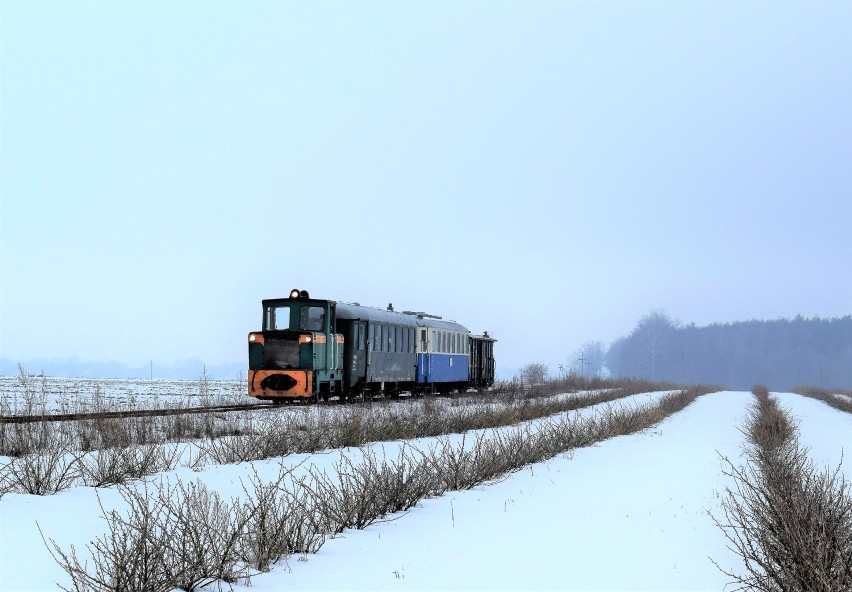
x,y
443,356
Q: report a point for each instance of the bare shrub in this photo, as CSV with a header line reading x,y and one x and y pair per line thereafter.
x,y
284,520
403,482
356,494
34,399
768,427
835,398
790,522
28,438
520,446
118,465
129,557
352,427
233,449
204,535
42,473
463,467
277,436
5,484
174,536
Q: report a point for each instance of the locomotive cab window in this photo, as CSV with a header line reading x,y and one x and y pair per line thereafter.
x,y
277,318
313,318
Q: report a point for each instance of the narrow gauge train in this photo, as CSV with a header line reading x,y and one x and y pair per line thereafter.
x,y
311,349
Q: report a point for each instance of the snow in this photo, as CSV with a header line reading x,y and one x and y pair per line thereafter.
x,y
67,395
825,431
630,513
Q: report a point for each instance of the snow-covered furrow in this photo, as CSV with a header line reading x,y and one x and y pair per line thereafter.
x,y
826,432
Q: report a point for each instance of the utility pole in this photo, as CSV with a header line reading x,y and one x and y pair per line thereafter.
x,y
582,360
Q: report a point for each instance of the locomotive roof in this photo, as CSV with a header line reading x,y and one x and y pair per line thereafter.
x,y
378,315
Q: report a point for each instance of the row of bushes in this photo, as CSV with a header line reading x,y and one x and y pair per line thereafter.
x,y
841,400
49,459
184,536
789,521
18,439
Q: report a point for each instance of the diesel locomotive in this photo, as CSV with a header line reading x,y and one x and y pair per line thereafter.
x,y
310,349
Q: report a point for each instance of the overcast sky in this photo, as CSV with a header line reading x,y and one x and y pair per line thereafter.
x,y
546,171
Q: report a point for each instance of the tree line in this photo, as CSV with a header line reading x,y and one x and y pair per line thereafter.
x,y
781,353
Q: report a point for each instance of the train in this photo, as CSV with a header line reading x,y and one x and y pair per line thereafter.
x,y
313,350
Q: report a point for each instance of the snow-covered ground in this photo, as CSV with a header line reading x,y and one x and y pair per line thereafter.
x,y
63,395
628,514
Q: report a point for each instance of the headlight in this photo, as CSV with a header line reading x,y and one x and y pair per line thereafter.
x,y
252,338
294,293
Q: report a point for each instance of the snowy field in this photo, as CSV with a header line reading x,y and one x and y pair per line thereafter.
x,y
65,395
630,513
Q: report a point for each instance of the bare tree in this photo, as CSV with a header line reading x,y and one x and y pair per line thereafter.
x,y
534,373
652,332
589,358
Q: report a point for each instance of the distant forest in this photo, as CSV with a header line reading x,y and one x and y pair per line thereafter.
x,y
781,354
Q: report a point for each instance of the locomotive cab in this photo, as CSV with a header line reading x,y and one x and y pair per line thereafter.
x,y
297,354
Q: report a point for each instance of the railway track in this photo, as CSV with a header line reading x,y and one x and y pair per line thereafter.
x,y
43,417
131,413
